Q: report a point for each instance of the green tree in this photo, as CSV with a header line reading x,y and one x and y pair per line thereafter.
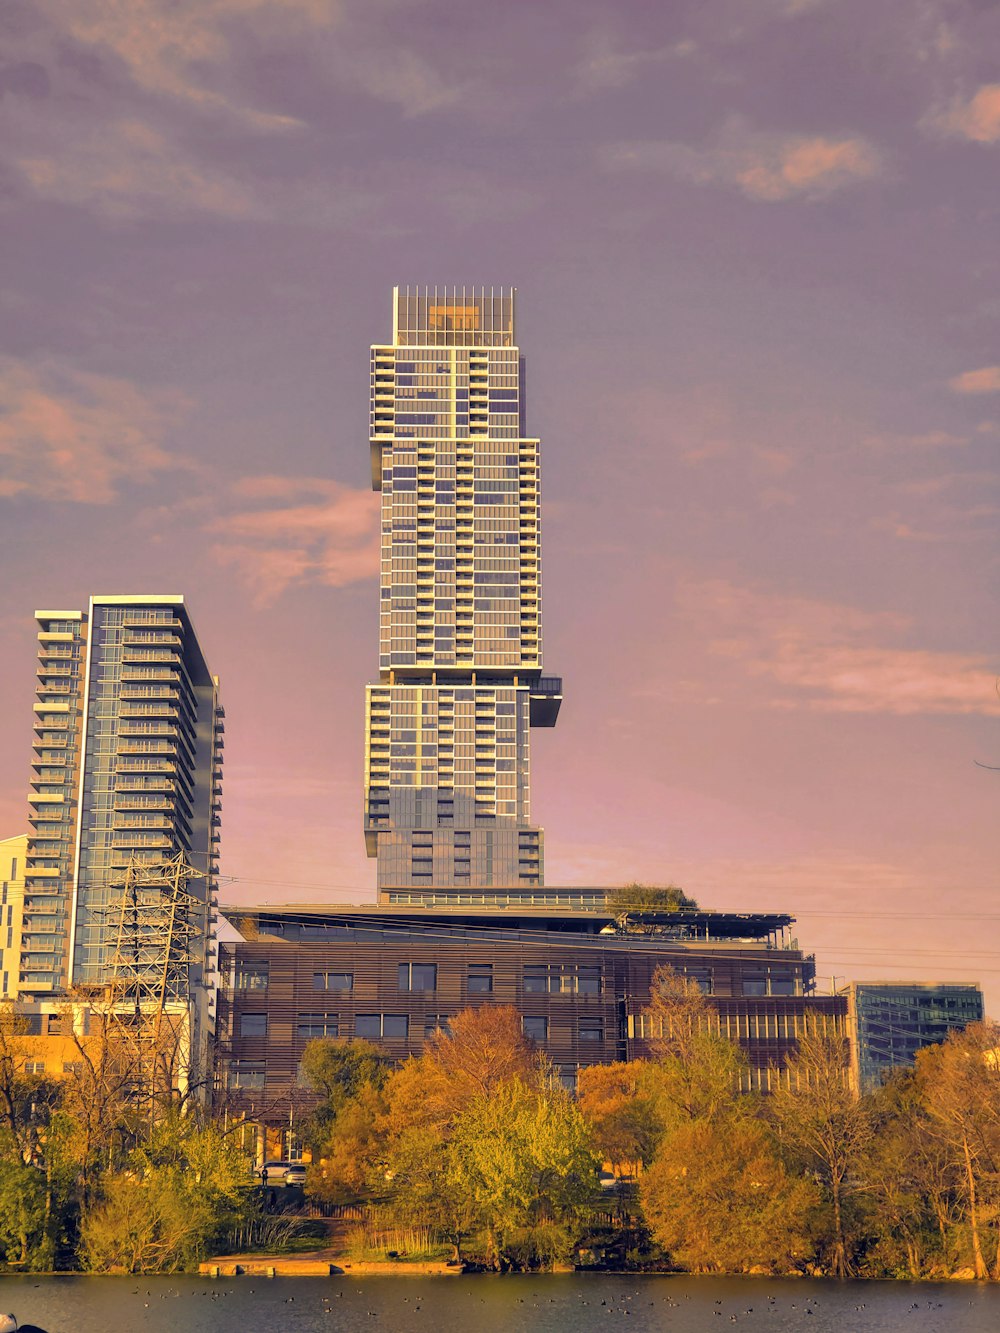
x,y
338,1071
646,898
22,1216
827,1130
525,1159
719,1198
416,1168
185,1190
696,1072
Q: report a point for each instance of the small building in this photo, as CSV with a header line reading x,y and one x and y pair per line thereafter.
x,y
13,853
889,1021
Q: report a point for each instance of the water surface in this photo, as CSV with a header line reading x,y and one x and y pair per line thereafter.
x,y
574,1303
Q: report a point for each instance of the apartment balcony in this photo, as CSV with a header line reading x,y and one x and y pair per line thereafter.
x,y
46,798
136,636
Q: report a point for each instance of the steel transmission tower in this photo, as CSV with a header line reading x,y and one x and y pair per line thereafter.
x,y
155,922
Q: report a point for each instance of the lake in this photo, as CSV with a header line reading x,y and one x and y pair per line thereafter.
x,y
568,1303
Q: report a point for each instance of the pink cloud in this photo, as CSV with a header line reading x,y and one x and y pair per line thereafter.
x,y
66,434
766,167
984,380
806,166
977,119
331,538
834,658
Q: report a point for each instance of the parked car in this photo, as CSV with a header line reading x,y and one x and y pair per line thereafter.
x,y
283,1173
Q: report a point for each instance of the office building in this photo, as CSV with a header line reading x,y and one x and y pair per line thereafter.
x,y
890,1021
127,772
447,762
579,977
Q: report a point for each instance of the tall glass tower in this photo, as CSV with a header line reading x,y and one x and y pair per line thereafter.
x,y
127,769
447,756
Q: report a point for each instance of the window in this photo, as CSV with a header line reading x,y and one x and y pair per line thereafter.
x,y
72,1066
754,983
317,1025
434,1023
536,980
34,1066
591,1030
253,1025
333,981
782,985
535,1028
417,976
480,980
588,980
378,1026
246,1074
540,980
251,976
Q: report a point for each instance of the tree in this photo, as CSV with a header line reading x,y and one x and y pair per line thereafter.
x,y
97,1098
619,1101
646,898
480,1050
907,1192
184,1191
958,1083
718,1198
352,1154
22,1216
416,1165
696,1072
826,1127
24,1095
524,1158
338,1071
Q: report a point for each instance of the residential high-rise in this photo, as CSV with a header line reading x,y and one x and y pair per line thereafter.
x,y
447,765
127,769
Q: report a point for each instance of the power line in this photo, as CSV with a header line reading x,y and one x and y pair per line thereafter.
x,y
460,932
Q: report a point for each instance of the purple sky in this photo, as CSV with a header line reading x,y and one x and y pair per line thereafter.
x,y
756,249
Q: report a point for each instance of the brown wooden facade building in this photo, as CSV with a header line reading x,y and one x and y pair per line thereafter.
x,y
579,978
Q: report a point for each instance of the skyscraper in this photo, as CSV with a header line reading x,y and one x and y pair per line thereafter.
x,y
447,764
127,767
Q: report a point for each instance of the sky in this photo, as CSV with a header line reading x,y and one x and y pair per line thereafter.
x,y
755,247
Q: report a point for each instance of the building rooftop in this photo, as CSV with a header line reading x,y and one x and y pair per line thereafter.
x,y
688,926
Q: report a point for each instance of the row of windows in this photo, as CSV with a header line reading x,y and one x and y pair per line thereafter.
x,y
382,1027
418,977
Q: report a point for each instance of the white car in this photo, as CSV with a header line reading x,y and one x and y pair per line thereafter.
x,y
283,1173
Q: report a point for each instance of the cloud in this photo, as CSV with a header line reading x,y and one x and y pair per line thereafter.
x,y
175,51
66,434
830,657
127,170
604,65
324,533
931,439
766,167
984,380
978,119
